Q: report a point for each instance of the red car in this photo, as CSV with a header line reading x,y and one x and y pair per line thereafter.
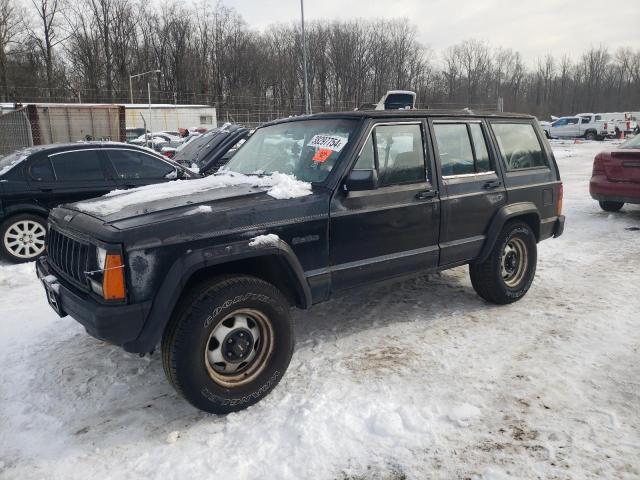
x,y
615,179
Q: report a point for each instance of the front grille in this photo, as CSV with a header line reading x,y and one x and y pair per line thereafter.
x,y
69,257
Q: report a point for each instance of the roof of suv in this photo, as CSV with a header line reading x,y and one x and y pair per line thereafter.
x,y
404,113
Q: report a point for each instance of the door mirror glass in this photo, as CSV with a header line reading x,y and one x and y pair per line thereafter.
x,y
359,180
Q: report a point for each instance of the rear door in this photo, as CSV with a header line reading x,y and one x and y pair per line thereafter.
x,y
393,229
472,187
69,176
133,168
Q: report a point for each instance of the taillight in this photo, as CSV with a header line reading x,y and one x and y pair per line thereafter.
x,y
606,126
113,279
168,154
560,198
628,125
598,166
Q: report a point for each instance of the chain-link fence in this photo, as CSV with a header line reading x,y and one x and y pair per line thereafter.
x,y
15,131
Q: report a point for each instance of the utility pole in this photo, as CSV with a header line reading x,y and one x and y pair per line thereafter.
x,y
131,77
307,102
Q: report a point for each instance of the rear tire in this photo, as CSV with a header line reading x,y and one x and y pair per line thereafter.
x,y
22,237
590,136
506,275
611,206
228,343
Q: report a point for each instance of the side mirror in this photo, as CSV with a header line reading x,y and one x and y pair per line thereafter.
x,y
359,180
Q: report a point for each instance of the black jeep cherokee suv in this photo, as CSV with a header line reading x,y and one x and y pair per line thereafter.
x,y
212,274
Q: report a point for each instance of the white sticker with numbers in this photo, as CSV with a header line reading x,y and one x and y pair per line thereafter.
x,y
327,142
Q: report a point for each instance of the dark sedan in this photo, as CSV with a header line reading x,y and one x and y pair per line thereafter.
x,y
36,179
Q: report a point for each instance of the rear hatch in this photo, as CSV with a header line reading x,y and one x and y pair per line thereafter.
x,y
623,166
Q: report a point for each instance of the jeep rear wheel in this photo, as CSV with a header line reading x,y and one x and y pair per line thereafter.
x,y
228,343
506,275
22,237
611,206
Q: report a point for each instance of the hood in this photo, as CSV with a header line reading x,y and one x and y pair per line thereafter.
x,y
183,210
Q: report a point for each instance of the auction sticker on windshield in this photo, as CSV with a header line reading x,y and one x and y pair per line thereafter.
x,y
328,142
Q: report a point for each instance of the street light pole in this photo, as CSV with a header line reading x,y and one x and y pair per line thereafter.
x,y
131,77
307,106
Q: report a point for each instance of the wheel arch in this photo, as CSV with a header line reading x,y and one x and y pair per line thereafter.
x,y
525,211
276,264
23,208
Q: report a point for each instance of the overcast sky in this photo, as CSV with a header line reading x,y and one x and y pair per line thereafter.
x,y
533,27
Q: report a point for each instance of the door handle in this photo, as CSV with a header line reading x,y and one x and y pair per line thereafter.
x,y
490,185
426,195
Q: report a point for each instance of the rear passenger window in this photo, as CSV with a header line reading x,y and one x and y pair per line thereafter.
x,y
131,165
41,170
519,145
462,148
78,165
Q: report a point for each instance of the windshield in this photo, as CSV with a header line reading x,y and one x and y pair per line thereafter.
x,y
306,149
633,143
195,150
7,162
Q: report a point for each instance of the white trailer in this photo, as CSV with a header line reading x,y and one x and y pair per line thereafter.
x,y
168,117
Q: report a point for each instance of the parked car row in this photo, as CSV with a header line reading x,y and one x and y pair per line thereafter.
x,y
593,126
34,180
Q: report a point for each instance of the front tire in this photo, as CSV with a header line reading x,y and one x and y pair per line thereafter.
x,y
228,343
506,275
611,206
22,237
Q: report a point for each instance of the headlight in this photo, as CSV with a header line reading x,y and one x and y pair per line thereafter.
x,y
108,280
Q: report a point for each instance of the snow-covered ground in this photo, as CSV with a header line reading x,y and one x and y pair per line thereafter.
x,y
415,379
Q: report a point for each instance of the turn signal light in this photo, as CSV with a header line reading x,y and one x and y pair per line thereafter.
x,y
560,198
113,279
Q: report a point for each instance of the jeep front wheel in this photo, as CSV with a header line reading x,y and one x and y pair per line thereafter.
x,y
228,343
506,275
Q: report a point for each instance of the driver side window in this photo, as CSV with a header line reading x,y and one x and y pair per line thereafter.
x,y
397,152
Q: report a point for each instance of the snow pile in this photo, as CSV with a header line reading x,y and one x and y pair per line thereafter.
x,y
463,414
16,276
286,186
278,185
200,209
264,241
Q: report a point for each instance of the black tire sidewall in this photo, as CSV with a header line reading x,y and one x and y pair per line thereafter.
x,y
195,328
4,226
523,231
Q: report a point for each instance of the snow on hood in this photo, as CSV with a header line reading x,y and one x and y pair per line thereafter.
x,y
278,185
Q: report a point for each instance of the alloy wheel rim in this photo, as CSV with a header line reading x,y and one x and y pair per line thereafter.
x,y
239,348
25,239
514,263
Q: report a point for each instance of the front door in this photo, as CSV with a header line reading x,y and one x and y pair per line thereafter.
x,y
472,187
392,229
67,177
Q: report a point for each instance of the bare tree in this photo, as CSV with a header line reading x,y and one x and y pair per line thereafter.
x,y
45,35
10,21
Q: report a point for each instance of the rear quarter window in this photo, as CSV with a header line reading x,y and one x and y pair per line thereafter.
x,y
519,145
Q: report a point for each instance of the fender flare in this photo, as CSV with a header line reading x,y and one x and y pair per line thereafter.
x,y
172,287
19,208
506,213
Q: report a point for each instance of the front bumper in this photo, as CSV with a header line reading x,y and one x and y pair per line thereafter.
x,y
116,324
